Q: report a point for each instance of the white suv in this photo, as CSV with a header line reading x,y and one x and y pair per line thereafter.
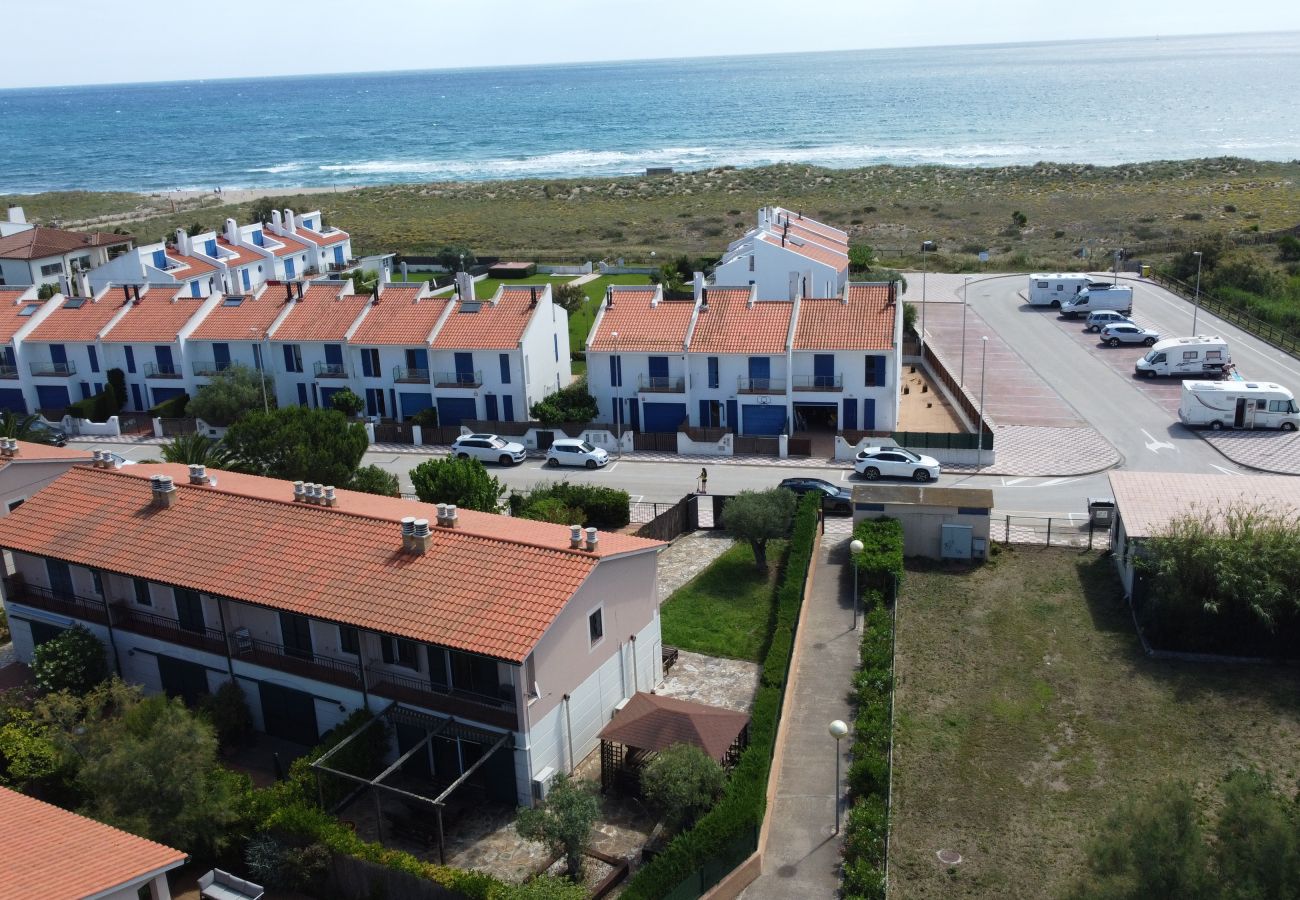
x,y
488,448
895,462
574,452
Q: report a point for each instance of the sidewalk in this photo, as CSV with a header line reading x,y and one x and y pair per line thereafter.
x,y
802,856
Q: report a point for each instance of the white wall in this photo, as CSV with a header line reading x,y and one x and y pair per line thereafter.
x,y
545,348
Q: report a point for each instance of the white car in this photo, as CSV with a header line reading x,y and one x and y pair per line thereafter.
x,y
488,448
895,462
1128,333
574,452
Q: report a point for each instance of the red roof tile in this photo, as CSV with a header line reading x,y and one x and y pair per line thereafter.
x,y
39,242
53,854
640,326
30,452
242,256
188,267
811,251
731,326
324,239
291,244
795,219
156,319
1148,501
10,321
495,326
80,321
652,722
866,322
400,316
323,314
479,588
817,237
246,322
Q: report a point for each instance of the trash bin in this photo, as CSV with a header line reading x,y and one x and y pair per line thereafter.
x,y
1101,512
1146,271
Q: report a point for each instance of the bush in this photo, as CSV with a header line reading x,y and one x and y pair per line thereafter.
x,y
74,661
426,418
171,409
590,505
117,379
563,820
99,408
347,402
464,482
228,711
374,480
880,564
552,509
570,404
231,393
682,782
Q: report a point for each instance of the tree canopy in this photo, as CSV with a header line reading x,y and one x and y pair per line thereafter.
x,y
348,402
230,393
374,480
73,661
569,404
682,783
758,517
197,449
569,296
563,821
299,444
464,482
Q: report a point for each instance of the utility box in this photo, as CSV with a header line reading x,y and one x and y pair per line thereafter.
x,y
955,542
1101,512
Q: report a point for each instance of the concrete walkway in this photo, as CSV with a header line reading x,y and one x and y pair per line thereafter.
x,y
802,857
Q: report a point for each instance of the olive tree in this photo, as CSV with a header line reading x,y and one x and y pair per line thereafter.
x,y
759,517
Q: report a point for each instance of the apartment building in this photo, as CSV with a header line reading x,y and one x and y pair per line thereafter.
x,y
38,254
20,312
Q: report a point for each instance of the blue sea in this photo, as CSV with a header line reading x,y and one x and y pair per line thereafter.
x,y
1101,102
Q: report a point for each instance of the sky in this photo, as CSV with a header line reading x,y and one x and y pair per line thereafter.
x,y
58,42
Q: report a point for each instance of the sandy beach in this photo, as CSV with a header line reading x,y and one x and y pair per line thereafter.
x,y
245,195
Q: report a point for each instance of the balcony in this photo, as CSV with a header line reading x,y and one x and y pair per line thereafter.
x,y
161,370
53,369
302,663
8,371
209,367
403,375
87,609
660,384
760,385
330,370
165,628
819,382
458,379
462,704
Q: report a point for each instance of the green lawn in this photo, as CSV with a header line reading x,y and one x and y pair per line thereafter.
x,y
1026,710
581,320
725,610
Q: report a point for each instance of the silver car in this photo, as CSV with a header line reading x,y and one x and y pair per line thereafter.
x,y
1128,333
1103,317
488,448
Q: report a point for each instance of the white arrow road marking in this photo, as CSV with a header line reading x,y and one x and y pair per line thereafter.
x,y
1223,470
1055,481
1006,483
1155,446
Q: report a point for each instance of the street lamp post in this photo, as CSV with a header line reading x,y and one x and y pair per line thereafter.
x,y
962,377
838,730
923,269
1197,308
855,547
984,355
261,368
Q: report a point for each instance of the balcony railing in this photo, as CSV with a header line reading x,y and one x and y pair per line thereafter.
x,y
53,369
301,662
458,379
161,370
165,628
661,384
760,385
87,609
8,371
410,376
463,704
819,382
210,366
330,370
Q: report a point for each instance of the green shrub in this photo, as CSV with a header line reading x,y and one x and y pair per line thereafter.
x,y
74,661
682,782
228,711
171,409
426,418
347,402
552,509
374,480
880,564
569,404
597,507
117,380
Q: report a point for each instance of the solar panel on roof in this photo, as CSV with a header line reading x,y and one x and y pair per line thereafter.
x,y
75,303
470,307
232,301
29,309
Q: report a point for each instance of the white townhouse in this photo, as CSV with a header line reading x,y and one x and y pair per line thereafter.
x,y
37,254
389,349
307,342
20,312
787,255
146,340
176,262
500,641
328,249
233,331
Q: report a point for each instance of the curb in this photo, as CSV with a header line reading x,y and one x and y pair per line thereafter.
x,y
1236,462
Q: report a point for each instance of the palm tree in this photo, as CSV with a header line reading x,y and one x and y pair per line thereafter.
x,y
197,449
19,425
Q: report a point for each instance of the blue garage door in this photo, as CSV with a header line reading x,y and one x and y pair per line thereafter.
x,y
767,420
52,396
452,410
327,394
12,400
161,394
663,416
413,403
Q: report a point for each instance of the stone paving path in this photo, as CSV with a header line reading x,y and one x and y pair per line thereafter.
x,y
1269,451
687,556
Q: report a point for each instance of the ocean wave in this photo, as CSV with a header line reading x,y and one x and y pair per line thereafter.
x,y
280,169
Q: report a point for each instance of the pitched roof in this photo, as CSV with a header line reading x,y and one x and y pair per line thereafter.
x,y
484,325
83,320
809,250
730,325
831,242
41,241
187,267
324,238
865,322
400,316
239,256
13,304
53,854
31,452
246,321
640,325
324,313
492,585
291,245
653,722
156,318
796,218
1148,501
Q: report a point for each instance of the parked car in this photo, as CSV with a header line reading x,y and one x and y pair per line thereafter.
x,y
574,452
834,498
488,448
895,462
1128,333
41,433
1103,317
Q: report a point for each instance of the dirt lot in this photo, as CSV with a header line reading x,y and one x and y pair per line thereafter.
x,y
923,407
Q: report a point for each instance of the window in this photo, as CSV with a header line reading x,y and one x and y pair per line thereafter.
x,y
1189,354
713,372
596,626
616,371
28,310
370,362
292,358
295,630
505,368
233,300
531,691
130,360
97,580
1214,354
142,595
75,303
52,269
556,339
875,371
94,359
349,640
399,652
189,610
751,262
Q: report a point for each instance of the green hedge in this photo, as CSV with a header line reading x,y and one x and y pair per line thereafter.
x,y
742,805
171,409
99,408
601,507
880,564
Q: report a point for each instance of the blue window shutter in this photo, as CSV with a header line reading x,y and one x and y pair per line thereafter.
x,y
302,394
713,372
366,368
556,339
505,368
869,415
704,413
880,371
85,390
221,355
258,240
247,281
130,360
613,371
210,248
94,359
507,408
288,357
160,259
195,289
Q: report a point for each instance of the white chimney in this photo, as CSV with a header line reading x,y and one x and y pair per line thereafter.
x,y
452,515
441,518
330,499
17,216
299,492
232,230
575,537
275,221
465,286
290,225
699,286
198,474
182,241
164,491
592,540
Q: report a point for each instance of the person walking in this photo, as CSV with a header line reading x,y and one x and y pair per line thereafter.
x,y
703,481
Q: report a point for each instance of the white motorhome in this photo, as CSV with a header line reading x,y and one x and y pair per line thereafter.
x,y
1202,355
1238,404
1053,290
1091,299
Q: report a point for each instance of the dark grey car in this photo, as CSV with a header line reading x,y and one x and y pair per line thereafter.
x,y
834,498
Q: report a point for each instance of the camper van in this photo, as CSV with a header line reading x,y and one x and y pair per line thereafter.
x,y
1053,290
1238,404
1091,299
1202,356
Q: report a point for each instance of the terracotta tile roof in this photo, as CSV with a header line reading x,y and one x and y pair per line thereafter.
x,y
810,251
642,327
652,722
400,316
28,452
242,256
246,322
496,326
13,304
492,586
817,237
324,239
291,244
323,314
39,242
156,319
189,267
866,322
80,322
731,326
783,214
53,854
1147,501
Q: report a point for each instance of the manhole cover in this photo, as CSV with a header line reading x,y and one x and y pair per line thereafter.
x,y
787,872
949,857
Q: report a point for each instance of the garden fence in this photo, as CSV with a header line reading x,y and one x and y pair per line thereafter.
x,y
1050,531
